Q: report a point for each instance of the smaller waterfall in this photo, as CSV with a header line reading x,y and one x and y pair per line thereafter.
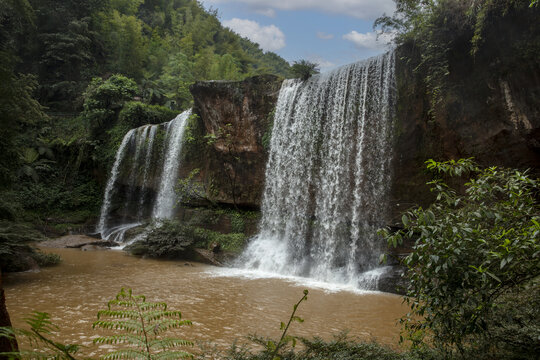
x,y
109,189
132,194
165,200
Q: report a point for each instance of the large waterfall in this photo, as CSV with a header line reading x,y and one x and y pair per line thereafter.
x,y
140,159
328,175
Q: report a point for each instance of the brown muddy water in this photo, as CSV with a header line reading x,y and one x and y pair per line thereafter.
x,y
224,305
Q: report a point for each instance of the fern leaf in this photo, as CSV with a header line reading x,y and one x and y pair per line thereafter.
x,y
151,305
166,343
116,339
168,324
132,314
125,354
158,314
128,325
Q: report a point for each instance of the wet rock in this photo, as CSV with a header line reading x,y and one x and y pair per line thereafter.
x,y
393,281
73,241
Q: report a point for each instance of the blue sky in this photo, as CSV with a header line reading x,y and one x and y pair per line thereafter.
x,y
329,32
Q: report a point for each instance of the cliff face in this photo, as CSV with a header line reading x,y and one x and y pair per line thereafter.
x,y
489,110
227,146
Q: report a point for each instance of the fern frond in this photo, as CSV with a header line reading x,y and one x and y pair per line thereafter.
x,y
40,322
125,354
152,305
158,314
132,314
168,324
116,339
122,303
141,323
131,326
168,343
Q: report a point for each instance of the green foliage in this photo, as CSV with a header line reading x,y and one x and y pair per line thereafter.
x,y
233,242
47,259
272,347
39,337
439,29
139,324
472,250
304,69
189,189
16,250
267,136
165,238
135,114
110,94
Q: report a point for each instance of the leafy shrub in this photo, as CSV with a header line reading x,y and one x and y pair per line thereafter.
x,y
109,94
103,100
304,69
16,252
472,250
47,259
233,242
135,114
165,238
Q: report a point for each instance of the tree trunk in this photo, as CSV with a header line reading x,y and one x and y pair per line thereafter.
x,y
6,345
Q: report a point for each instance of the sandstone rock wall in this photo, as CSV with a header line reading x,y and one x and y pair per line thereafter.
x,y
227,138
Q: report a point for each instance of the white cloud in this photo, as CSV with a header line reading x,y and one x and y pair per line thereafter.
x,y
324,36
266,12
270,37
369,40
362,9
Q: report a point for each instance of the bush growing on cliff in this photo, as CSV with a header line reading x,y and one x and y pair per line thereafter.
x,y
474,252
304,69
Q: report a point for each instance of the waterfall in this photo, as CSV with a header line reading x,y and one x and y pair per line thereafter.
x,y
327,176
166,197
128,199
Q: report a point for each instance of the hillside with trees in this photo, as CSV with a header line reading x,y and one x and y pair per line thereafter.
x,y
76,76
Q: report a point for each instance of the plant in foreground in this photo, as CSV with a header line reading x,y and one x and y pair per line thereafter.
x,y
141,323
41,329
137,324
472,248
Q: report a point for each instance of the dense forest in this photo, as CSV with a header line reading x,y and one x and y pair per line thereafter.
x,y
75,76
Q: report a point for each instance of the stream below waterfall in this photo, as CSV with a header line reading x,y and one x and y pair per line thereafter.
x,y
224,305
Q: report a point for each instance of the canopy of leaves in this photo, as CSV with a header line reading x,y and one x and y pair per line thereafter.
x,y
304,69
472,249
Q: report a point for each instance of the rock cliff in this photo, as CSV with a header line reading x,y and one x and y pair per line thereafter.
x,y
225,140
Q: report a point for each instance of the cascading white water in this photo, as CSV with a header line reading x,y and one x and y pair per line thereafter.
x,y
166,197
109,189
135,161
327,175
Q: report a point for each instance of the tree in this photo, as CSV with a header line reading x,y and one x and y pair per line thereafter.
x,y
472,249
18,107
304,69
103,100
